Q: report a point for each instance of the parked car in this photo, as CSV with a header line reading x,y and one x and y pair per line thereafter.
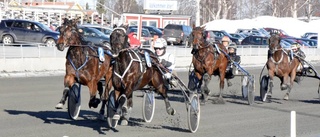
x,y
222,33
176,34
95,36
238,35
146,37
210,37
282,33
309,34
311,42
255,40
153,30
26,31
107,31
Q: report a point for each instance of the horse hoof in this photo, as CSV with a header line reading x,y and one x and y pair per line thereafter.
x,y
286,96
171,111
284,87
229,84
124,122
116,117
59,106
94,103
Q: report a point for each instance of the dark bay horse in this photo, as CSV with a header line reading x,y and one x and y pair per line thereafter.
x,y
207,60
279,64
83,65
131,73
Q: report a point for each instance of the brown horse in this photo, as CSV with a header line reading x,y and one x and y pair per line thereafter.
x,y
207,60
130,73
83,65
279,64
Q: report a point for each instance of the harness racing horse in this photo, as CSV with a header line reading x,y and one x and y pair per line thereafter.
x,y
83,65
207,60
131,73
279,64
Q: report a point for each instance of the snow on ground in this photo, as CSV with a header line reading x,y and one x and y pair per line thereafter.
x,y
293,27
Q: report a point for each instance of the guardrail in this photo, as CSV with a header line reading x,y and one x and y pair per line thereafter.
x,y
37,50
33,50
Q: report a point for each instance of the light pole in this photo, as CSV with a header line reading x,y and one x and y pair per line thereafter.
x,y
198,13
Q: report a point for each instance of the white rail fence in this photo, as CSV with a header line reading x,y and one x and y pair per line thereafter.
x,y
36,50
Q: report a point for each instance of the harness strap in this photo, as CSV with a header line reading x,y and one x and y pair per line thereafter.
x,y
127,69
77,69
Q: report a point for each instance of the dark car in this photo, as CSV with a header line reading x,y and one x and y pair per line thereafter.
x,y
309,34
255,40
176,34
281,32
211,37
153,30
26,31
95,36
222,33
107,31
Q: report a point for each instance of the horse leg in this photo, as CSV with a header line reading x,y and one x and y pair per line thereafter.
x,y
68,82
290,84
105,97
285,81
126,110
63,99
161,89
93,102
204,87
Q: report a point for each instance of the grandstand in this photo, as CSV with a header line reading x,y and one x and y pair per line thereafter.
x,y
50,12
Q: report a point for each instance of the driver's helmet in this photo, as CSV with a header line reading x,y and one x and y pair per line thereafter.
x,y
159,43
225,39
232,48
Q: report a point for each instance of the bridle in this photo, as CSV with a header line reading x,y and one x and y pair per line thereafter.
x,y
68,39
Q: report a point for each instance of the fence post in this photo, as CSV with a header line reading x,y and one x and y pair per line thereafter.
x,y
39,50
4,51
21,50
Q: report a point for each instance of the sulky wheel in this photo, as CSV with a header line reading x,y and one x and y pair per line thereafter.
x,y
148,106
74,102
111,110
194,113
264,85
251,88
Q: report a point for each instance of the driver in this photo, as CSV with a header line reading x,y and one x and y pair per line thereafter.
x,y
166,59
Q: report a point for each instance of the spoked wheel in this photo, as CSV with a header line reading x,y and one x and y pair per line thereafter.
x,y
74,102
148,106
193,113
264,83
111,110
251,88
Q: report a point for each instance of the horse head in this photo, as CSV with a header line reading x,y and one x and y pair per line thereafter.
x,y
199,37
274,42
69,34
119,39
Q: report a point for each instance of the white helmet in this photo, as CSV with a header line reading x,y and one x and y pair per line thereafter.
x,y
160,43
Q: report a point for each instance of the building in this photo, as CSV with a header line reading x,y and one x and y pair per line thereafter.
x,y
156,20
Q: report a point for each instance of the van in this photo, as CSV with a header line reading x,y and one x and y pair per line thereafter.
x,y
176,34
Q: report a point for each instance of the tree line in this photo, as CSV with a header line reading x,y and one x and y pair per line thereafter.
x,y
224,9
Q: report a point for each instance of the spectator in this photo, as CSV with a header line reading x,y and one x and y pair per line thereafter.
x,y
133,40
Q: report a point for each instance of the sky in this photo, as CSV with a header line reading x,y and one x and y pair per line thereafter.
x,y
293,27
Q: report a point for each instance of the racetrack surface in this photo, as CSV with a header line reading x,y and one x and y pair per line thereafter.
x,y
27,110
